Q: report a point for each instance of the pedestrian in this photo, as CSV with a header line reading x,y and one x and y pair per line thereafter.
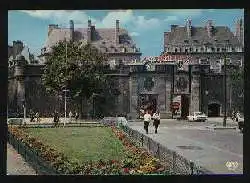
x,y
56,118
237,116
76,116
32,116
147,119
70,116
156,117
37,117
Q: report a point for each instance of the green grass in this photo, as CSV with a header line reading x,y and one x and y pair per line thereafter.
x,y
82,143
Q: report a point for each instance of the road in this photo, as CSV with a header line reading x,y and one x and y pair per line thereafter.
x,y
216,147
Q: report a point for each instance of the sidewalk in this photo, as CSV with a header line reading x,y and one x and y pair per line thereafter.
x,y
215,148
16,164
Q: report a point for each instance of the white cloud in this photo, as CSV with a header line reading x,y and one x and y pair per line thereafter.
x,y
61,16
134,34
126,17
171,18
141,23
186,13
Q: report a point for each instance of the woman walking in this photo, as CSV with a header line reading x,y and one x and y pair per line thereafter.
x,y
156,117
147,119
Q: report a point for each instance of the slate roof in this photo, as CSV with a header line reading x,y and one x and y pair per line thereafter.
x,y
103,38
220,35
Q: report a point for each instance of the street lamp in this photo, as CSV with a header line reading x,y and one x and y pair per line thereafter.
x,y
225,87
206,93
24,111
65,105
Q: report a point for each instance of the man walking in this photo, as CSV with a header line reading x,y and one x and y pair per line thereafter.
x,y
70,116
147,119
156,117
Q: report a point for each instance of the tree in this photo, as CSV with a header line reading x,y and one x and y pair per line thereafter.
x,y
237,82
77,67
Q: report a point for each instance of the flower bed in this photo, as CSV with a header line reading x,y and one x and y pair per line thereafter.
x,y
137,161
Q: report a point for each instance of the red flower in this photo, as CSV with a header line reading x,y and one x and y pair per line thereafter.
x,y
126,170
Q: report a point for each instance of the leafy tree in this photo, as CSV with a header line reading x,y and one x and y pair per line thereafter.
x,y
237,82
82,71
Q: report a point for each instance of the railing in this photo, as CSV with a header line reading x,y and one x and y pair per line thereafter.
x,y
32,157
175,163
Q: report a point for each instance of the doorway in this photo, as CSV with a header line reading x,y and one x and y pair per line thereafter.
x,y
148,102
184,106
213,110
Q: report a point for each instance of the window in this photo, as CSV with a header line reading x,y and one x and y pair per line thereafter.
x,y
185,41
175,50
202,49
212,49
195,41
218,49
233,50
190,49
186,50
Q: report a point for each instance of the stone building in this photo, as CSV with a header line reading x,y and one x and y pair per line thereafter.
x,y
115,42
190,79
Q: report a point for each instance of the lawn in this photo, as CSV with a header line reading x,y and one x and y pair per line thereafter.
x,y
83,143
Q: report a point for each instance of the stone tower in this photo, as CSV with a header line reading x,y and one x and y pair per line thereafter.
x,y
89,31
117,29
71,29
19,76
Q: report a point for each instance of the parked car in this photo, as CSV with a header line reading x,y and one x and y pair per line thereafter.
x,y
197,116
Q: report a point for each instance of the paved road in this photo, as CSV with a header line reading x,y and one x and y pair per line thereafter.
x,y
216,147
16,164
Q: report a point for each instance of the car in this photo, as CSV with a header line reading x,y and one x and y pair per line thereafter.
x,y
197,116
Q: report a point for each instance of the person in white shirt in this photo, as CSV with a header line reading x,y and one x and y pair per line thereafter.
x,y
156,117
147,119
70,116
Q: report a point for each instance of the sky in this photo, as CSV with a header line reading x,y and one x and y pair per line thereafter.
x,y
146,27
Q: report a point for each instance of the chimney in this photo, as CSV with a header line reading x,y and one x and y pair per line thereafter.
x,y
173,27
71,29
189,28
51,27
209,28
89,31
17,48
240,31
117,29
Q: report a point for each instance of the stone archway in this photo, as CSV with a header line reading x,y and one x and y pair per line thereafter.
x,y
214,110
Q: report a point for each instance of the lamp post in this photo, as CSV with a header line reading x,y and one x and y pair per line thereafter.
x,y
225,87
24,111
65,105
206,93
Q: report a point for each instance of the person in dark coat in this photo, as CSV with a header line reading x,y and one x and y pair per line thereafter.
x,y
156,117
56,118
32,116
76,116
